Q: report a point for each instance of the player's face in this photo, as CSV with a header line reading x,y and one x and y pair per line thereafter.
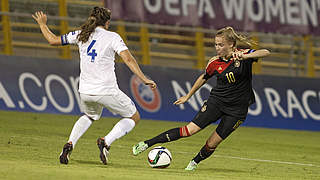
x,y
223,47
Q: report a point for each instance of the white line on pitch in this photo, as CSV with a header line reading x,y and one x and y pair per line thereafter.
x,y
251,159
265,160
260,160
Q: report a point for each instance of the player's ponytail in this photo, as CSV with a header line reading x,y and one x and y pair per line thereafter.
x,y
232,36
86,29
98,17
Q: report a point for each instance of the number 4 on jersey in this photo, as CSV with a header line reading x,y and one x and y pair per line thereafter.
x,y
93,53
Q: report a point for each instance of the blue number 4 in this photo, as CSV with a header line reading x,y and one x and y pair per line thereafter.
x,y
93,53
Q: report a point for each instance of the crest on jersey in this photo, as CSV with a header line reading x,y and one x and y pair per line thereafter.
x,y
236,63
147,98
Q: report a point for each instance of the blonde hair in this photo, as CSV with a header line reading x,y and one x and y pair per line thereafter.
x,y
231,36
98,17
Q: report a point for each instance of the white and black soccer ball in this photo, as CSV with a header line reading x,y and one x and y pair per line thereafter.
x,y
159,157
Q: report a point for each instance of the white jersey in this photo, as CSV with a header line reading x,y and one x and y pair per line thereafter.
x,y
97,55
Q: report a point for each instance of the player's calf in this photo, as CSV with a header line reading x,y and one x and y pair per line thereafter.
x,y
205,152
168,136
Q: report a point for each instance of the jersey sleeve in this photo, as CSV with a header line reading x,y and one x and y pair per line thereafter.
x,y
207,75
118,44
209,70
69,38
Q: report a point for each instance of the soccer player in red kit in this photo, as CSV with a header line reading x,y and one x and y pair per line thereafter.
x,y
229,99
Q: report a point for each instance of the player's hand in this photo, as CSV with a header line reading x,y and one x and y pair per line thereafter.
x,y
150,83
40,17
181,100
238,55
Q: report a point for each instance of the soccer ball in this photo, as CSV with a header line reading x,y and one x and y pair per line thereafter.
x,y
159,157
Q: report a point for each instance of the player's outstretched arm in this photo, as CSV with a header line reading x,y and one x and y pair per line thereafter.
x,y
41,19
131,62
199,82
256,54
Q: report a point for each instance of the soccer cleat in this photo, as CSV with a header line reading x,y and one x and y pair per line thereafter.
x,y
139,148
104,150
66,152
191,166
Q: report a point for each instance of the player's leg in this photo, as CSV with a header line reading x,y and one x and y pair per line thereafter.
x,y
226,126
206,151
120,104
167,136
174,134
92,112
204,117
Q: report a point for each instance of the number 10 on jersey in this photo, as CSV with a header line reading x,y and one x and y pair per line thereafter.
x,y
230,77
93,53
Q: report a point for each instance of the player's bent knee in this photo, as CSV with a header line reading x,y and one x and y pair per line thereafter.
x,y
192,128
136,117
214,140
186,131
93,117
211,146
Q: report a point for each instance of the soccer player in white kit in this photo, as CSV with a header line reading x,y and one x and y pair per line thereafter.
x,y
98,86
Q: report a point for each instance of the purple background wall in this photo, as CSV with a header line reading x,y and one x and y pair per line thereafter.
x,y
279,16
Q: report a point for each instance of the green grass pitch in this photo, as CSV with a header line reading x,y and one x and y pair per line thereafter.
x,y
30,145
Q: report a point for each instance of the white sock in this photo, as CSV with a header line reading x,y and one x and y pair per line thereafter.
x,y
79,128
123,127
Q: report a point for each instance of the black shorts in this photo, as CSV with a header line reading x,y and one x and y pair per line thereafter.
x,y
210,113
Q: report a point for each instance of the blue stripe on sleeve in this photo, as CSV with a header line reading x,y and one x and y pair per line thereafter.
x,y
64,40
251,50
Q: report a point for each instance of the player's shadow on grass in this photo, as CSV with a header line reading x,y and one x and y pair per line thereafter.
x,y
97,162
199,169
124,165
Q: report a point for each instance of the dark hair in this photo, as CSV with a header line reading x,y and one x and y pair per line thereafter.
x,y
230,35
98,17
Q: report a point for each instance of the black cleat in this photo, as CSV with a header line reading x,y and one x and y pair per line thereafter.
x,y
104,150
66,152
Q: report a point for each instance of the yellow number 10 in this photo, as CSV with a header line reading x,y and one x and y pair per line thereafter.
x,y
230,77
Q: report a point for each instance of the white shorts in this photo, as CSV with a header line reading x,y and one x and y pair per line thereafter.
x,y
118,103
